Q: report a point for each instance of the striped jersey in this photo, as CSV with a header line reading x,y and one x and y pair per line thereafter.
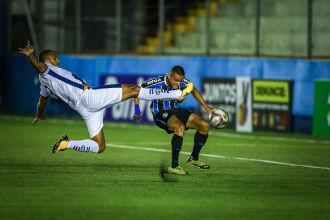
x,y
163,104
62,84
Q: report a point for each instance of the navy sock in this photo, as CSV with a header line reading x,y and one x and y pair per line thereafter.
x,y
199,142
176,148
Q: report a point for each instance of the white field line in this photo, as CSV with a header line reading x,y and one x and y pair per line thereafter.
x,y
231,145
191,143
147,127
267,138
233,135
218,156
221,144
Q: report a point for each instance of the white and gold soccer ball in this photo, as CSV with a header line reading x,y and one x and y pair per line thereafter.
x,y
218,118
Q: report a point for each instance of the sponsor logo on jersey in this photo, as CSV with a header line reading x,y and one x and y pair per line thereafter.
x,y
157,91
154,81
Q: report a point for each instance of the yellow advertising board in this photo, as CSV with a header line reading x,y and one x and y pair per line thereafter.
x,y
271,91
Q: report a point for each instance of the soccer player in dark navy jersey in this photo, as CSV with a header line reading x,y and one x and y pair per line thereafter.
x,y
173,119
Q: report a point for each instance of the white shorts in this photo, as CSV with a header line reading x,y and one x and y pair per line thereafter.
x,y
93,104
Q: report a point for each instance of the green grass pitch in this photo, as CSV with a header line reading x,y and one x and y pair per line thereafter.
x,y
125,183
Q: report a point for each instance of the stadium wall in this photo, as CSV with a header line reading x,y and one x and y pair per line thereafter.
x,y
22,89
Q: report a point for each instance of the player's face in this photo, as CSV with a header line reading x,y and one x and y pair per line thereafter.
x,y
53,59
175,80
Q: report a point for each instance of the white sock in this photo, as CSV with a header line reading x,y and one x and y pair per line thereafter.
x,y
152,93
84,146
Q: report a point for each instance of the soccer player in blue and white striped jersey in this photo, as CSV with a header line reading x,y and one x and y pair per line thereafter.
x,y
89,102
173,119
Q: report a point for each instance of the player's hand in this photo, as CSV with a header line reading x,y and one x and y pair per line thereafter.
x,y
138,117
27,50
38,118
208,109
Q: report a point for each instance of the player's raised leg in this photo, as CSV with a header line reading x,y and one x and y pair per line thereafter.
x,y
134,91
100,140
202,129
94,123
95,145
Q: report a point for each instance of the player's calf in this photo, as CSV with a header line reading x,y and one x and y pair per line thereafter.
x,y
133,91
101,148
100,141
203,127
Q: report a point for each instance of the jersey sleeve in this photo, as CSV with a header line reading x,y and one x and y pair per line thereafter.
x,y
48,67
153,83
43,92
78,78
184,83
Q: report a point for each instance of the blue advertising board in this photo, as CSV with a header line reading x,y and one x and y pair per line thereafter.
x,y
21,77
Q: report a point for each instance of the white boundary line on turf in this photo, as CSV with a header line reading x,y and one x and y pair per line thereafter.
x,y
141,126
218,156
267,138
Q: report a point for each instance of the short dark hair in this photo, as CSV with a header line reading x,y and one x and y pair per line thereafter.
x,y
43,55
178,70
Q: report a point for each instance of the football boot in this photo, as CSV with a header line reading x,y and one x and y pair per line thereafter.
x,y
197,163
61,145
177,170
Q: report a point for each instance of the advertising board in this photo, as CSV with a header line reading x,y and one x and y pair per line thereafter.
x,y
271,102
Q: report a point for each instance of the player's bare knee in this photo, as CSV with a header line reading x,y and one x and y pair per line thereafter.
x,y
203,127
206,125
179,130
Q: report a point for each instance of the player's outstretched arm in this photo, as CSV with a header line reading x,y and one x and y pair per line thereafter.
x,y
40,109
201,100
137,112
28,51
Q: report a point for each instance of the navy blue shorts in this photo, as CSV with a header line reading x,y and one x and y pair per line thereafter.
x,y
162,117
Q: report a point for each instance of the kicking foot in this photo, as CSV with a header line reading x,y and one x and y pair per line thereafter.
x,y
61,144
177,170
197,163
189,88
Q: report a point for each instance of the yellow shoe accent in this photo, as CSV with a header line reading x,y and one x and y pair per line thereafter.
x,y
61,145
189,88
197,163
177,170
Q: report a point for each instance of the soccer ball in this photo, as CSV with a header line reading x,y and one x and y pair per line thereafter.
x,y
218,118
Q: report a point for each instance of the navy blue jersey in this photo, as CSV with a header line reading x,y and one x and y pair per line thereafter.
x,y
162,104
